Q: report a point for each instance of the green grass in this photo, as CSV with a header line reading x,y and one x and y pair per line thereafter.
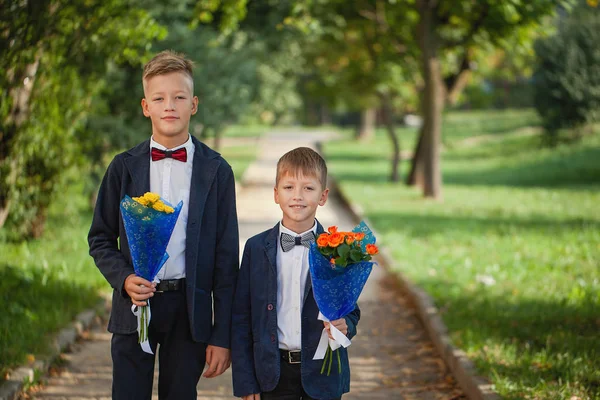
x,y
510,256
45,283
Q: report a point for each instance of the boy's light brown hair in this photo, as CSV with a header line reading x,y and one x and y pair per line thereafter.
x,y
302,161
166,62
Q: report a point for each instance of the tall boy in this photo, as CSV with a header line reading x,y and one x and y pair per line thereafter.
x,y
203,249
275,330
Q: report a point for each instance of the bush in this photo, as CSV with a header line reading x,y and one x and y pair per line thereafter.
x,y
567,75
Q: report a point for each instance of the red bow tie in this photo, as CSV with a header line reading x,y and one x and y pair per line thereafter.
x,y
179,154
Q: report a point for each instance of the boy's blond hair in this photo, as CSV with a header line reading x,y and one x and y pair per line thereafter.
x,y
304,161
166,62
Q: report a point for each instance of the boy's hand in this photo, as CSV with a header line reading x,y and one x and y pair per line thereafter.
x,y
340,324
255,396
218,360
139,289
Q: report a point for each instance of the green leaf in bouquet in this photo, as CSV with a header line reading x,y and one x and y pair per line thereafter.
x,y
341,261
343,250
356,255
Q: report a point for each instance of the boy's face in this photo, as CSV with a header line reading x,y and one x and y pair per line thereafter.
x,y
299,196
169,102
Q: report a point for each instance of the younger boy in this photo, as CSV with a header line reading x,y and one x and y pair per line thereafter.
x,y
203,249
275,330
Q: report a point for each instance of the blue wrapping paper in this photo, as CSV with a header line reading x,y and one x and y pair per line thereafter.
x,y
336,289
148,233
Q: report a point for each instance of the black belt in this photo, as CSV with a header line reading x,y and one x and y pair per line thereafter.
x,y
170,285
292,357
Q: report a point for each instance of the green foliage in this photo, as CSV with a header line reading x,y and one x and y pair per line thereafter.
x,y
54,58
567,77
45,283
511,264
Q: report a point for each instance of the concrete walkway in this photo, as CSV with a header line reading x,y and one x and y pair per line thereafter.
x,y
391,357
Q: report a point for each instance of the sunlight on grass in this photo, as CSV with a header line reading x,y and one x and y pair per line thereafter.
x,y
510,256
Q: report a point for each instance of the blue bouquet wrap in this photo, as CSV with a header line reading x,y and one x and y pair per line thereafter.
x,y
336,290
148,233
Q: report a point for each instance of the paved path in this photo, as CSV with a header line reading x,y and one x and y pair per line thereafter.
x,y
391,357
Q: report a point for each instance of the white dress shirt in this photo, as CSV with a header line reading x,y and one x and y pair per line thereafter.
x,y
171,179
292,273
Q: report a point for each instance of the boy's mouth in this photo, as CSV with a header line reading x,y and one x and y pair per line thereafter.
x,y
298,207
169,118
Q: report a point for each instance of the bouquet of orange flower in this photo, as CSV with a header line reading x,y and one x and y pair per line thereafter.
x,y
340,264
149,222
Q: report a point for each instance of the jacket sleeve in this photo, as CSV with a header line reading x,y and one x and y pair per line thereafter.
x,y
104,231
226,258
352,321
242,354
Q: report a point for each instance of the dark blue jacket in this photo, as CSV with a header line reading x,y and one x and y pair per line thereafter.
x,y
254,342
212,243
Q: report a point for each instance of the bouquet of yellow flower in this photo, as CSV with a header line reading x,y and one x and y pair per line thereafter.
x,y
149,223
340,264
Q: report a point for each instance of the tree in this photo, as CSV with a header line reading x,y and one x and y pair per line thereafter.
x,y
53,57
567,76
459,28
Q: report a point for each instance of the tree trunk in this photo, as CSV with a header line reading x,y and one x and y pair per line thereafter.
x,y
433,98
388,118
366,129
325,115
20,94
218,136
415,176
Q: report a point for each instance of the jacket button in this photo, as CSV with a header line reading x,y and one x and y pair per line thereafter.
x,y
270,307
272,338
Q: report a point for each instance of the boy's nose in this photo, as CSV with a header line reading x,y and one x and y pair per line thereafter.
x,y
169,104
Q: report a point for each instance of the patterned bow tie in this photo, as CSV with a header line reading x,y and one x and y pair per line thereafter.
x,y
288,241
179,154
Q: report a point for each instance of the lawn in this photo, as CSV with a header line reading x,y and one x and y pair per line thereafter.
x,y
510,256
45,283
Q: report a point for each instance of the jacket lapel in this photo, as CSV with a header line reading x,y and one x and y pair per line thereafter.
x,y
138,166
204,171
271,248
308,286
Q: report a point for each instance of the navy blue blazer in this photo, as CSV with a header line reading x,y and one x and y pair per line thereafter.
x,y
212,242
254,342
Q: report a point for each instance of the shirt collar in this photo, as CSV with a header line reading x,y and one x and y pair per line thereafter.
x,y
283,229
188,144
189,147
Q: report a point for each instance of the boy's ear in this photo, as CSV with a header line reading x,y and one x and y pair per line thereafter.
x,y
145,108
195,102
324,197
276,195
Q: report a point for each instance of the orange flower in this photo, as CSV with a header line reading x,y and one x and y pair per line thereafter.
x,y
350,238
359,236
335,239
323,240
332,229
372,249
332,261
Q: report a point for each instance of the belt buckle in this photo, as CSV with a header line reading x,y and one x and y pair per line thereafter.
x,y
290,358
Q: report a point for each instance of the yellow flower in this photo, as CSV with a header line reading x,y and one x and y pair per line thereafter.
x,y
151,197
141,200
169,210
159,206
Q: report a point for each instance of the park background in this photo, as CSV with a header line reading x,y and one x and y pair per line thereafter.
x,y
469,138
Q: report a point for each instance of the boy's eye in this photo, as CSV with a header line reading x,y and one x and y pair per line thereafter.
x,y
157,98
287,187
180,97
310,188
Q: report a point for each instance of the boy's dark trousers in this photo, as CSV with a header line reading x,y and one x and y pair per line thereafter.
x,y
289,386
181,360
